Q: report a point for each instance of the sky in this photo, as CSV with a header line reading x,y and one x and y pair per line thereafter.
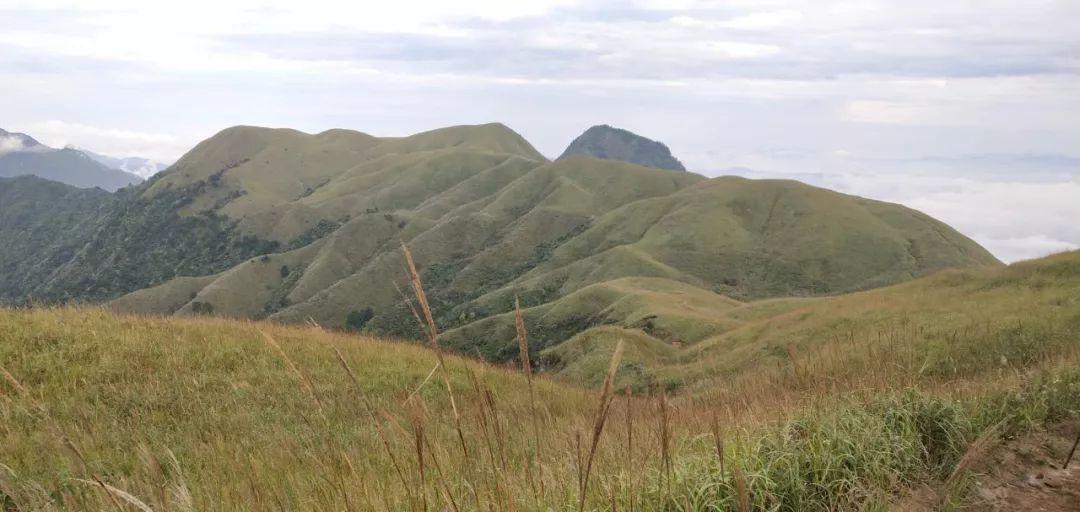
x,y
967,110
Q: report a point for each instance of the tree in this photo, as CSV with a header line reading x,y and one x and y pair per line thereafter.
x,y
356,319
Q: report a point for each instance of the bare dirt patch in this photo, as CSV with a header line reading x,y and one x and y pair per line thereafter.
x,y
1024,474
1028,474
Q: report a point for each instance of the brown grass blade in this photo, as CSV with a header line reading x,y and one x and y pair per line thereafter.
x,y
421,298
526,366
304,381
974,454
377,423
741,491
603,406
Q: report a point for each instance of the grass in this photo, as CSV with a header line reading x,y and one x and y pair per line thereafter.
x,y
971,323
154,413
105,411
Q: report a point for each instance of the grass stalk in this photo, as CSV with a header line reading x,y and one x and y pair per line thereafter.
x,y
526,368
602,408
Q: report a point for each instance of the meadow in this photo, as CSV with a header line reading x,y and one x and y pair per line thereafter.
x,y
865,402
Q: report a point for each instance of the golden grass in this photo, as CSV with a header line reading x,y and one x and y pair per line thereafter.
x,y
247,433
258,416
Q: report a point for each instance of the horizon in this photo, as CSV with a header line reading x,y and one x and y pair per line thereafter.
x,y
971,123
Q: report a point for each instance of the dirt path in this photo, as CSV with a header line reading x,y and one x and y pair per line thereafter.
x,y
1022,475
1027,474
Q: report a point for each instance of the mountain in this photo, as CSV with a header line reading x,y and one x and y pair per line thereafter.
x,y
21,155
296,227
611,143
141,167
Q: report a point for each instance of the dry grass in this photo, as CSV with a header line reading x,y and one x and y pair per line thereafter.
x,y
247,433
269,417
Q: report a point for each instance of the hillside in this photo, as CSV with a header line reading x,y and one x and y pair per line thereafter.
x,y
295,227
952,324
878,394
43,224
611,143
21,155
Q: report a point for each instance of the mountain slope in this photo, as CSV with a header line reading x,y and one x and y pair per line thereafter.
x,y
276,223
488,219
611,143
952,324
43,224
22,155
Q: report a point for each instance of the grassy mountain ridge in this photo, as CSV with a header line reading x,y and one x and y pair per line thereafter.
x,y
280,224
489,219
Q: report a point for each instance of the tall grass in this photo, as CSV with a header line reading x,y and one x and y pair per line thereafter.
x,y
256,416
247,434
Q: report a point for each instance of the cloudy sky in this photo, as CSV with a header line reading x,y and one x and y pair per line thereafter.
x,y
968,110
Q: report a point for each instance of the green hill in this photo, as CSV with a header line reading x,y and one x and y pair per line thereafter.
x,y
954,323
295,227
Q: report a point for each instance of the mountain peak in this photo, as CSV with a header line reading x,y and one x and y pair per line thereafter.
x,y
13,141
21,154
605,141
495,137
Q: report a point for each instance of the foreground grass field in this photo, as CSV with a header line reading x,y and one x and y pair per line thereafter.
x,y
100,411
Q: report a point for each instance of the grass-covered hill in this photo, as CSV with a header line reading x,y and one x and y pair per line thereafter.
x,y
844,403
954,323
489,219
296,227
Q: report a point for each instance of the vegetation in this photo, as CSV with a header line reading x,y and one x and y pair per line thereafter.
x,y
357,318
45,224
252,416
489,219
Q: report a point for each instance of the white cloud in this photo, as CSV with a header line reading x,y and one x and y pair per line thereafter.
x,y
764,20
109,141
10,144
1025,248
15,144
837,92
740,50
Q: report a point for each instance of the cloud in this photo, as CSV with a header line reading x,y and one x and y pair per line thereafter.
x,y
109,141
14,143
1025,248
10,144
964,109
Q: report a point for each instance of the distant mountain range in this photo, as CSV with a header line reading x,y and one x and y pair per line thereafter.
x,y
141,167
21,154
296,227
